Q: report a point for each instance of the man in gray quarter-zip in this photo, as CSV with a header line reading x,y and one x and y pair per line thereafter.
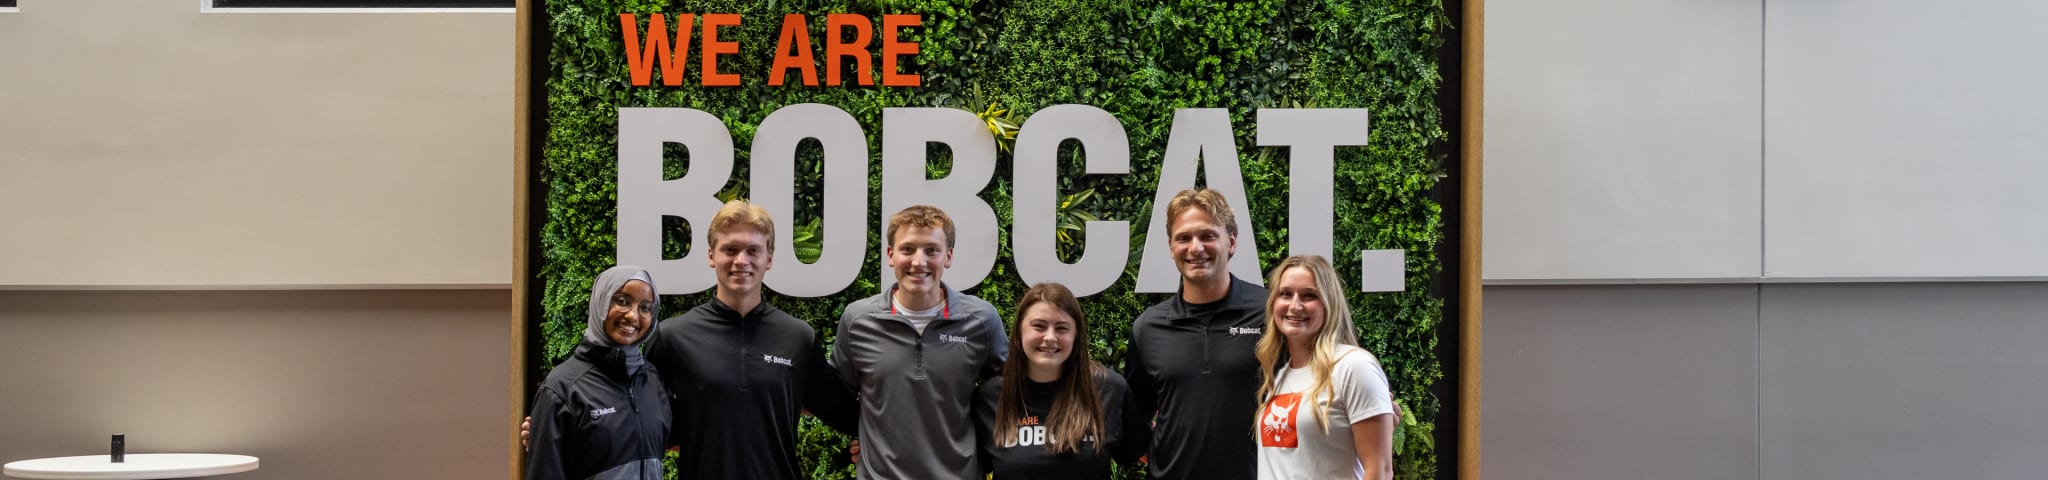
x,y
915,354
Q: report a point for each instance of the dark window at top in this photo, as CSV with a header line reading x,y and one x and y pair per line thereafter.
x,y
6,3
353,3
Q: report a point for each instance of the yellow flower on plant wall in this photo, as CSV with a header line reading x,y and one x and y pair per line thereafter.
x,y
999,124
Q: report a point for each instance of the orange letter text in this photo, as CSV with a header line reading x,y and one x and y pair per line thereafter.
x,y
891,49
640,58
713,48
836,47
794,51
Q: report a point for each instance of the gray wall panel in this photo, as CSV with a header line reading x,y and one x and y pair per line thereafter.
x,y
1902,381
1620,382
1619,131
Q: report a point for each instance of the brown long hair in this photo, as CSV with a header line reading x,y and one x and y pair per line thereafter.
x,y
1077,408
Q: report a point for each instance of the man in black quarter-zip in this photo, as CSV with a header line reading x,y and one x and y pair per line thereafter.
x,y
1191,363
916,353
741,370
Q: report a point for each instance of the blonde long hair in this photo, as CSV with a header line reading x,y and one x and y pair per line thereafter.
x,y
1337,331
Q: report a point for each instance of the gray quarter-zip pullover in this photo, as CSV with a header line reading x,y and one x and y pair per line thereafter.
x,y
917,389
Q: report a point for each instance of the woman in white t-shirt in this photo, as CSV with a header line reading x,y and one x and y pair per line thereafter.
x,y
1326,411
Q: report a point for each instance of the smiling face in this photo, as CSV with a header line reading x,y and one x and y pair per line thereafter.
x,y
1298,307
1201,247
1047,336
920,258
631,313
740,256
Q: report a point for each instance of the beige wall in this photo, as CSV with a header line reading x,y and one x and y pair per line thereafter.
x,y
145,143
387,384
287,235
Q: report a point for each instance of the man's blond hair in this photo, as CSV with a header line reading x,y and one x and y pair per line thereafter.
x,y
1205,199
740,212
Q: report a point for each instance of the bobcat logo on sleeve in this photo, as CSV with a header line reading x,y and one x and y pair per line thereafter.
x,y
1276,426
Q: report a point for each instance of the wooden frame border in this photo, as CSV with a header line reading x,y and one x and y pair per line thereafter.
x,y
522,198
1472,140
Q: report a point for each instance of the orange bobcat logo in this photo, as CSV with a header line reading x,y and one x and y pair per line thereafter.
x,y
1276,426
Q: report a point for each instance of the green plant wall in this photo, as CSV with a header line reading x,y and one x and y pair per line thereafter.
x,y
1137,59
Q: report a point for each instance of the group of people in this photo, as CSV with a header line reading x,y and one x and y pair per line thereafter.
x,y
1224,380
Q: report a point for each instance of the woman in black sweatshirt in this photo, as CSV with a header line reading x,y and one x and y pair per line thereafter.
x,y
1056,414
603,414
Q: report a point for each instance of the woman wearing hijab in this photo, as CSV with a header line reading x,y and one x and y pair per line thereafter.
x,y
1055,413
603,414
1327,411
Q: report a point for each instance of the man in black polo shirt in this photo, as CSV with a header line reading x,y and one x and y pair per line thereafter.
x,y
1191,362
740,369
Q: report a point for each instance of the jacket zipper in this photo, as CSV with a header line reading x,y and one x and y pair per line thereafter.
x,y
638,425
945,313
919,374
921,337
744,365
1207,333
640,431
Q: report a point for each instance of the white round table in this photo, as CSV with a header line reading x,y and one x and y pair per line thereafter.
x,y
138,466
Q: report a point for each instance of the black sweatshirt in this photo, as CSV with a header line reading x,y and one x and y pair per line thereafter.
x,y
1031,457
1194,367
739,384
595,417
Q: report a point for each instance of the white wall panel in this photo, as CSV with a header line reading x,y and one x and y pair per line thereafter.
x,y
144,143
1623,139
1904,138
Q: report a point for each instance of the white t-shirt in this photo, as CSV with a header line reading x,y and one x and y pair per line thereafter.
x,y
1291,446
918,318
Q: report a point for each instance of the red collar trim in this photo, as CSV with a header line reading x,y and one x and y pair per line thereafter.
x,y
945,308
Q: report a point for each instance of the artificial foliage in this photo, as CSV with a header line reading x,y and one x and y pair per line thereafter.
x,y
1005,59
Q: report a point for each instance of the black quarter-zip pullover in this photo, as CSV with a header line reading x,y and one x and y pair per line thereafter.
x,y
1193,368
739,384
